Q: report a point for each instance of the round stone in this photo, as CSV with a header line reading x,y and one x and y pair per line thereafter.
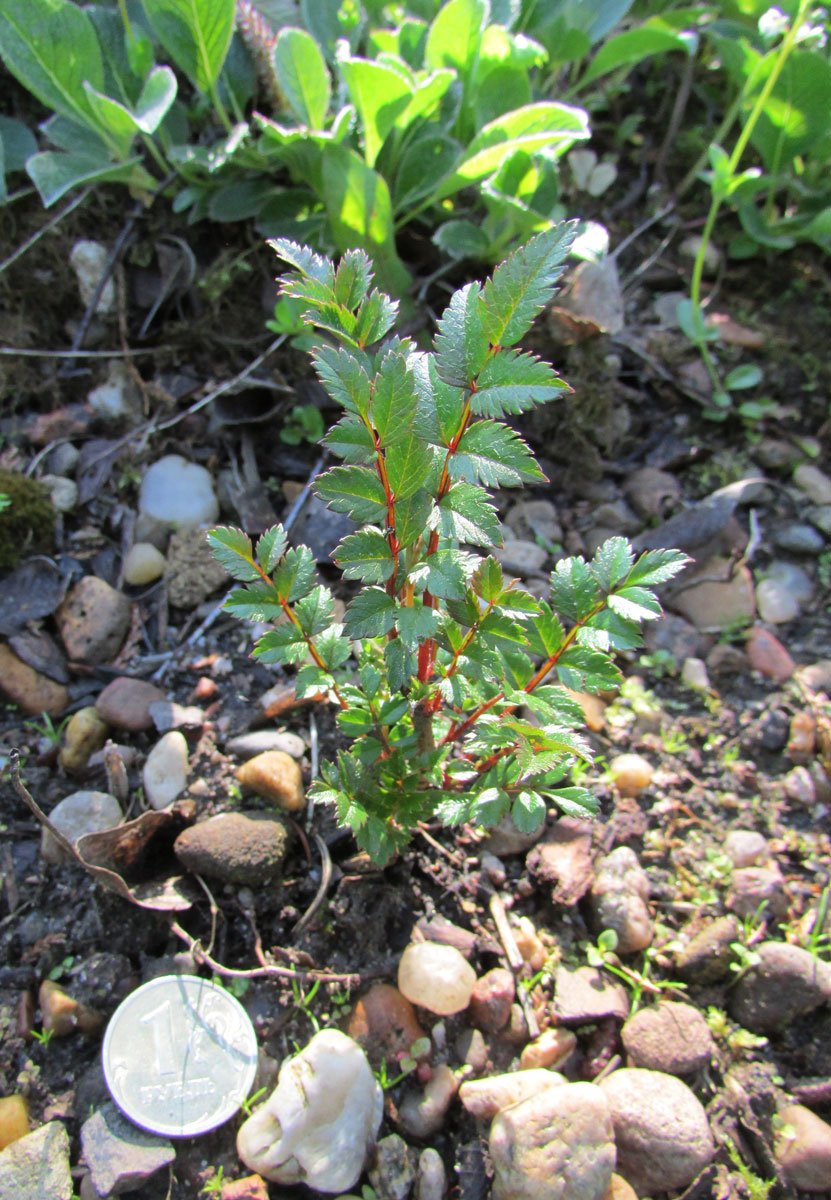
x,y
436,977
179,493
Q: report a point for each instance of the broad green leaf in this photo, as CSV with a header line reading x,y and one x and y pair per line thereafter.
x,y
423,164
314,612
51,47
334,649
365,555
512,382
443,574
461,346
415,624
54,174
430,88
612,563
619,633
466,513
455,35
400,664
411,517
302,75
574,801
657,566
440,406
545,125
380,95
350,440
196,34
497,627
522,285
294,574
585,670
345,377
635,604
693,325
528,811
371,614
304,260
121,124
356,491
393,403
330,20
285,644
491,806
462,239
633,46
487,580
495,455
545,632
260,602
18,144
233,551
408,463
310,680
748,375
360,213
393,710
355,721
574,590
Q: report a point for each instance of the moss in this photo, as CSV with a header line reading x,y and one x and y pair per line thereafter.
x,y
27,525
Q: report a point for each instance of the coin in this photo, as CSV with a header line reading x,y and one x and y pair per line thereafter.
x,y
179,1055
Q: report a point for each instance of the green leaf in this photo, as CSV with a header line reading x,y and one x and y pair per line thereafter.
x,y
585,670
18,144
355,721
51,47
440,407
461,347
657,566
233,551
55,174
488,580
350,440
257,603
635,604
693,325
365,555
294,575
524,283
495,455
371,614
575,801
400,664
574,590
748,375
356,491
196,34
633,46
612,563
334,649
302,76
345,377
393,404
285,644
545,632
512,382
411,517
304,260
462,239
314,612
380,94
408,464
528,811
119,123
376,316
415,624
353,277
423,165
466,513
456,34
443,574
271,547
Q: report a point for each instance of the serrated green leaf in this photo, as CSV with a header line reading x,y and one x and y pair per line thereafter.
x,y
400,664
555,705
443,574
350,440
585,670
408,462
365,555
496,626
345,376
370,614
612,563
440,406
461,346
353,278
232,550
515,602
528,811
310,680
304,260
257,603
393,403
392,710
334,649
522,285
271,547
455,810
622,634
495,455
574,590
490,806
574,801
512,382
355,721
285,644
314,612
466,513
657,566
356,491
415,624
545,632
376,316
295,574
635,604
488,580
411,518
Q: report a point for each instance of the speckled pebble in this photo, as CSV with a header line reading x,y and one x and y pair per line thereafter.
x,y
668,1036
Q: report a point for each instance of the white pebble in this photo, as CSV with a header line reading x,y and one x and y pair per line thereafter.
x,y
143,564
63,492
436,977
179,493
165,773
88,261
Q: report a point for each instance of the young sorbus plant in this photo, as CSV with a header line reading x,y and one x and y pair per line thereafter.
x,y
454,684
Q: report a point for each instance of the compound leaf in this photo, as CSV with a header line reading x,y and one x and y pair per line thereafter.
x,y
521,286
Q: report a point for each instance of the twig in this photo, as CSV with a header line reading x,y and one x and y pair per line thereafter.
x,y
19,352
214,910
50,224
515,960
323,886
9,881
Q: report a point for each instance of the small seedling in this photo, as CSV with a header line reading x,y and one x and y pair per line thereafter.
x,y
247,1105
43,1037
603,954
215,1184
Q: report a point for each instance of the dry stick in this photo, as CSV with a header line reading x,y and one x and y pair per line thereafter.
x,y
19,352
50,224
515,960
323,886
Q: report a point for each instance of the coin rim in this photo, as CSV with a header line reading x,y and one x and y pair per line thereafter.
x,y
151,984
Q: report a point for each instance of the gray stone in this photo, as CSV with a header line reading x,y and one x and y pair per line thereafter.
x,y
803,1149
652,493
521,558
585,994
247,745
619,899
668,1037
745,847
36,1167
662,1135
755,886
93,621
431,1183
504,838
537,518
617,516
167,714
799,538
707,956
394,1171
63,492
722,598
237,847
814,483
787,983
193,574
821,518
120,1156
556,1145
179,493
89,261
77,814
783,591
117,399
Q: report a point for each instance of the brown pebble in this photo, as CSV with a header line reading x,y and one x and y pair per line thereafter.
x,y
550,1049
768,656
25,1016
802,737
14,1120
384,1023
275,776
93,621
490,1003
85,733
63,1015
125,703
253,1187
28,689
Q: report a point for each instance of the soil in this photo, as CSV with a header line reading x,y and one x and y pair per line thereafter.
x,y
720,756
